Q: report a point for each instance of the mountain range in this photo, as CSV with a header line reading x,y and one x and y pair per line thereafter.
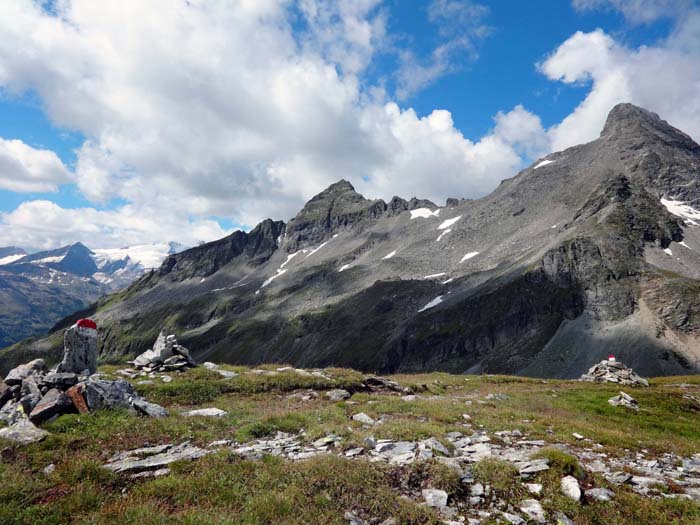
x,y
591,251
39,289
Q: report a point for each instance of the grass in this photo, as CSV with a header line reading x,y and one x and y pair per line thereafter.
x,y
223,488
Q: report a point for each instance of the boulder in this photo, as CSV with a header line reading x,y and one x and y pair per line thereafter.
x,y
600,494
61,380
147,409
37,367
53,403
102,393
364,419
12,412
570,488
434,497
338,394
166,354
533,510
79,349
23,432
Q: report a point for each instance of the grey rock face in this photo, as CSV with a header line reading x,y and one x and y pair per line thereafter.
x,y
79,350
154,458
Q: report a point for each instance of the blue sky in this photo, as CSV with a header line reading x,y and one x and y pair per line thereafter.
x,y
205,117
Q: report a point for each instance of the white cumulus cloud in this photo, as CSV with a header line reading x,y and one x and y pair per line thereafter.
x,y
27,169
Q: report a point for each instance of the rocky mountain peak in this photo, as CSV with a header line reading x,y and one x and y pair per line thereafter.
x,y
629,122
337,206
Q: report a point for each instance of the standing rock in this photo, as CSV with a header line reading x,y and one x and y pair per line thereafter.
x,y
79,348
570,488
54,402
20,373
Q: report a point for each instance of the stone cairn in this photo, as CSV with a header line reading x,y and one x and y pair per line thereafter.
x,y
166,356
32,394
612,371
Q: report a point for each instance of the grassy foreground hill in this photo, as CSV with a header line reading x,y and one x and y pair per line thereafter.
x,y
486,431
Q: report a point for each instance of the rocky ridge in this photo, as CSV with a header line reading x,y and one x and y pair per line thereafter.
x,y
601,238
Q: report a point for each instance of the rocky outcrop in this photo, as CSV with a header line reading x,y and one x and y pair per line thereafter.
x,y
31,394
338,206
612,371
255,246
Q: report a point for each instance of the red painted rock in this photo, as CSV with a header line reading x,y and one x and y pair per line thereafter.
x,y
87,323
75,393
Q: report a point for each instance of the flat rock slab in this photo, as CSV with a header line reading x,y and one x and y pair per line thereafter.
x,y
155,458
23,432
206,412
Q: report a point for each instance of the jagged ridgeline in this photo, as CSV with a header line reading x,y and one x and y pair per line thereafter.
x,y
590,251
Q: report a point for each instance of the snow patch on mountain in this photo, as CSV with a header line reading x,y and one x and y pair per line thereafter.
x,y
431,304
389,256
469,256
544,163
424,213
11,258
681,209
449,222
448,230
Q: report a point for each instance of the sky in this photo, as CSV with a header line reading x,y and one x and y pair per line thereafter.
x,y
125,122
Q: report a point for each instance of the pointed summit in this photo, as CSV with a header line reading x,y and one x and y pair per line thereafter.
x,y
337,206
629,122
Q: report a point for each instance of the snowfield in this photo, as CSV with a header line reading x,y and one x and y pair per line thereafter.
x,y
680,209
